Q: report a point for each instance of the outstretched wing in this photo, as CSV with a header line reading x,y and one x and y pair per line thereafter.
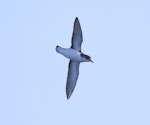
x,y
73,72
77,36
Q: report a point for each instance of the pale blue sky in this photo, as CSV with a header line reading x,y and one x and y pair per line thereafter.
x,y
115,90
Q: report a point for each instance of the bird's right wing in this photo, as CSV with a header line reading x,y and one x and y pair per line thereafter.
x,y
77,36
73,72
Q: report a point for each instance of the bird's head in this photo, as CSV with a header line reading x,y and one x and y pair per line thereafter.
x,y
88,58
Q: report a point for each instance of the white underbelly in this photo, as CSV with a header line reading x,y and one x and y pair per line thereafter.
x,y
71,54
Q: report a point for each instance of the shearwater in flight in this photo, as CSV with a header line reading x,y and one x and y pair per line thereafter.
x,y
76,57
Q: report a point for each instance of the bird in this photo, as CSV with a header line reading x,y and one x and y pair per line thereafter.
x,y
75,55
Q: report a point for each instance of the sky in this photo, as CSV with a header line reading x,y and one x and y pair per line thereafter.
x,y
114,90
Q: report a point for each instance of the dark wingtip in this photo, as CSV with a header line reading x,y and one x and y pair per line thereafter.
x,y
68,95
76,19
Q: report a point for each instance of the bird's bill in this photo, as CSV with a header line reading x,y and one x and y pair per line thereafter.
x,y
91,61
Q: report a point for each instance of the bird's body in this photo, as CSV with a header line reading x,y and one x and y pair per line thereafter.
x,y
76,57
71,54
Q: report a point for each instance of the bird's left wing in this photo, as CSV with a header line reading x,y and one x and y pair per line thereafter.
x,y
73,72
